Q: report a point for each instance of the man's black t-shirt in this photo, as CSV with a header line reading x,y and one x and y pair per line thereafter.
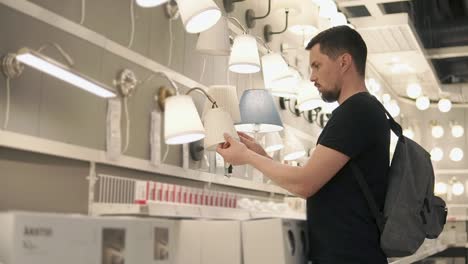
x,y
341,226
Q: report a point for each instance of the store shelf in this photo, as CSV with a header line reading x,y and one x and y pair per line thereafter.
x,y
419,255
173,210
44,146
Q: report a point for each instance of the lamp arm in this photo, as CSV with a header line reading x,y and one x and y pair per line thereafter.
x,y
212,100
285,27
268,12
238,23
59,48
173,84
265,44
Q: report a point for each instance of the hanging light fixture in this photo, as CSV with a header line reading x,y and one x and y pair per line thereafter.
x,y
437,154
327,8
197,16
273,67
413,90
338,19
286,86
445,105
423,103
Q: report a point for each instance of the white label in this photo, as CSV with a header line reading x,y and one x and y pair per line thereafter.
x,y
141,190
114,144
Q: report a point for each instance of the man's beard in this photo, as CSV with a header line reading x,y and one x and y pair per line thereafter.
x,y
330,96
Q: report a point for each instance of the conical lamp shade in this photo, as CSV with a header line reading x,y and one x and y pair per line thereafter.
x,y
286,86
308,97
198,15
181,121
273,142
293,148
215,41
273,67
217,122
244,55
258,112
225,97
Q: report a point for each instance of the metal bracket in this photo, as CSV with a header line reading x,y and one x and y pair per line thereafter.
x,y
172,10
11,67
250,16
163,94
229,5
268,31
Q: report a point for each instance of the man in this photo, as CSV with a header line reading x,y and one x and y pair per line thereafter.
x,y
341,226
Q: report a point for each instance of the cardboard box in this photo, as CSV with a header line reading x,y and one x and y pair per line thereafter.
x,y
33,238
273,241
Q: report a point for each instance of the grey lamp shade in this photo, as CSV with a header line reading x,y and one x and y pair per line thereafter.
x,y
217,122
258,112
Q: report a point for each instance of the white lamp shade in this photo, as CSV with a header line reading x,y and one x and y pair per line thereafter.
x,y
285,86
338,19
244,55
293,149
181,121
215,41
273,142
150,3
225,97
327,8
274,67
308,97
199,15
217,122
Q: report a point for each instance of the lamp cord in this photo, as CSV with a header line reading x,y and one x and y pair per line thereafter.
x,y
166,153
7,104
132,22
83,11
127,125
171,40
203,69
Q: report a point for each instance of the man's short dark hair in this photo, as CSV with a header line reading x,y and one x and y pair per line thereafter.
x,y
342,39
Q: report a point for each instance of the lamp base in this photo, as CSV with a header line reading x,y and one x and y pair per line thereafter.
x,y
196,150
163,94
11,67
171,10
267,33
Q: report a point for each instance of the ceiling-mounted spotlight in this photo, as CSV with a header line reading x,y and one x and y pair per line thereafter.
x,y
150,3
229,5
197,16
327,8
445,105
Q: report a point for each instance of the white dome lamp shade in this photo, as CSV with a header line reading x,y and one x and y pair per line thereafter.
x,y
244,57
225,97
178,108
274,67
150,3
273,142
217,122
198,15
258,112
308,97
286,86
215,41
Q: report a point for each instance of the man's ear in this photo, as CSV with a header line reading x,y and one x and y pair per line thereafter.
x,y
345,62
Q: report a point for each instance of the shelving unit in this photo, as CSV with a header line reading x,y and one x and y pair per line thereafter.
x,y
420,255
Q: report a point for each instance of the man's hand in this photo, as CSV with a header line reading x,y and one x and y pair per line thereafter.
x,y
251,144
233,151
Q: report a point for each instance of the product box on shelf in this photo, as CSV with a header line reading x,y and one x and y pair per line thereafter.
x,y
274,241
32,238
208,242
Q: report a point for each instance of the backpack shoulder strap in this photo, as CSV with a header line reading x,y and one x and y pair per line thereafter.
x,y
394,126
359,176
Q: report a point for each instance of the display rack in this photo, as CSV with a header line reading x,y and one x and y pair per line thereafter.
x,y
419,255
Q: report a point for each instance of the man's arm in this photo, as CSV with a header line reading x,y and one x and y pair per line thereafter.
x,y
303,181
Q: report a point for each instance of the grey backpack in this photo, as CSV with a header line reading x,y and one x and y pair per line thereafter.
x,y
411,212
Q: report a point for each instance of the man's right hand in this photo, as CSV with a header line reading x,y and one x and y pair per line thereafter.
x,y
251,144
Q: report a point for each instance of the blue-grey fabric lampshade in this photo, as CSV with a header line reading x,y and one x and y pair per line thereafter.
x,y
258,112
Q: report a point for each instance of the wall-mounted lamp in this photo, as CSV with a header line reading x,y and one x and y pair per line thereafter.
x,y
437,130
456,154
215,41
197,16
457,187
268,30
12,67
258,112
250,16
244,55
456,129
444,105
437,154
282,103
285,86
229,5
423,103
308,97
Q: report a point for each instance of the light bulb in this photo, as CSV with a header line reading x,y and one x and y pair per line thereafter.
x,y
458,188
444,105
440,188
423,103
456,154
457,131
437,131
413,90
409,133
386,98
437,154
